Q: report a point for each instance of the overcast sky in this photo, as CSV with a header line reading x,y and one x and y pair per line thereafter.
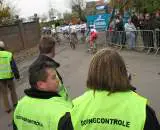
x,y
29,7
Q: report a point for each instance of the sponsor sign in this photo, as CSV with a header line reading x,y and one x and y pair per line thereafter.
x,y
99,21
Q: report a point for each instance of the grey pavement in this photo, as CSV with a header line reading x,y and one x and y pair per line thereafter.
x,y
74,69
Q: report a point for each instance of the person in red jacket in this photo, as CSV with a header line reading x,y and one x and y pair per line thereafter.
x,y
93,37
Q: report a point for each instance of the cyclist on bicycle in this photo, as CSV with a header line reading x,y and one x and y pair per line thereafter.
x,y
73,38
92,39
74,34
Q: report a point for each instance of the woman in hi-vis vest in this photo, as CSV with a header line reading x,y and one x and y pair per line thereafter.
x,y
109,102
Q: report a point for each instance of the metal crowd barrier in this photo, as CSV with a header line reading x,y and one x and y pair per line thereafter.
x,y
157,40
147,40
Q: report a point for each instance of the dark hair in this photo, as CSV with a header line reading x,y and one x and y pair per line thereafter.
x,y
38,72
117,16
107,71
46,44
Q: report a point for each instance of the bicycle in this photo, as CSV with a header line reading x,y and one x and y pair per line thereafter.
x,y
92,47
56,37
73,41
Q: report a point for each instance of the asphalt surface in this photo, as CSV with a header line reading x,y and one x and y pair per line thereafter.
x,y
144,68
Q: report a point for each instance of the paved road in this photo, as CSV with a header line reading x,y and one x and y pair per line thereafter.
x,y
74,67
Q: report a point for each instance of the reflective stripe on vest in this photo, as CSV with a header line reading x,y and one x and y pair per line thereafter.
x,y
5,67
40,114
100,111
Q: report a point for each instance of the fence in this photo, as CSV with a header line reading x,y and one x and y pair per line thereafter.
x,y
20,36
157,41
147,40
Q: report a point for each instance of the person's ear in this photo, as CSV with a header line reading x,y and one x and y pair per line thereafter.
x,y
41,85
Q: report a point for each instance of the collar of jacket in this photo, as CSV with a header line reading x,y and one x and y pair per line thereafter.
x,y
1,49
42,56
32,92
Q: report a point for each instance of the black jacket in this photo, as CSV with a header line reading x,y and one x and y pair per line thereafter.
x,y
157,23
120,25
151,123
44,58
135,20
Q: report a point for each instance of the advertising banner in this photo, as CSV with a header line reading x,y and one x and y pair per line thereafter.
x,y
99,21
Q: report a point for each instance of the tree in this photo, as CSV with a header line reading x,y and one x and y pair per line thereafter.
x,y
90,8
43,18
139,5
75,14
4,12
151,5
7,12
67,16
79,6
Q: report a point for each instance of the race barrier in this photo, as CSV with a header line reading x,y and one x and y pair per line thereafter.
x,y
141,40
157,40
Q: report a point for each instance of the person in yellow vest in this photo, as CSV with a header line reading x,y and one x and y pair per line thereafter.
x,y
109,102
47,53
8,71
42,106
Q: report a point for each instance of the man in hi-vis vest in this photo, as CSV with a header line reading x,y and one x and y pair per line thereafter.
x,y
47,48
8,71
42,106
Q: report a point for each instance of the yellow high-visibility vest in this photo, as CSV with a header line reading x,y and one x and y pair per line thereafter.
x,y
100,111
5,67
40,114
